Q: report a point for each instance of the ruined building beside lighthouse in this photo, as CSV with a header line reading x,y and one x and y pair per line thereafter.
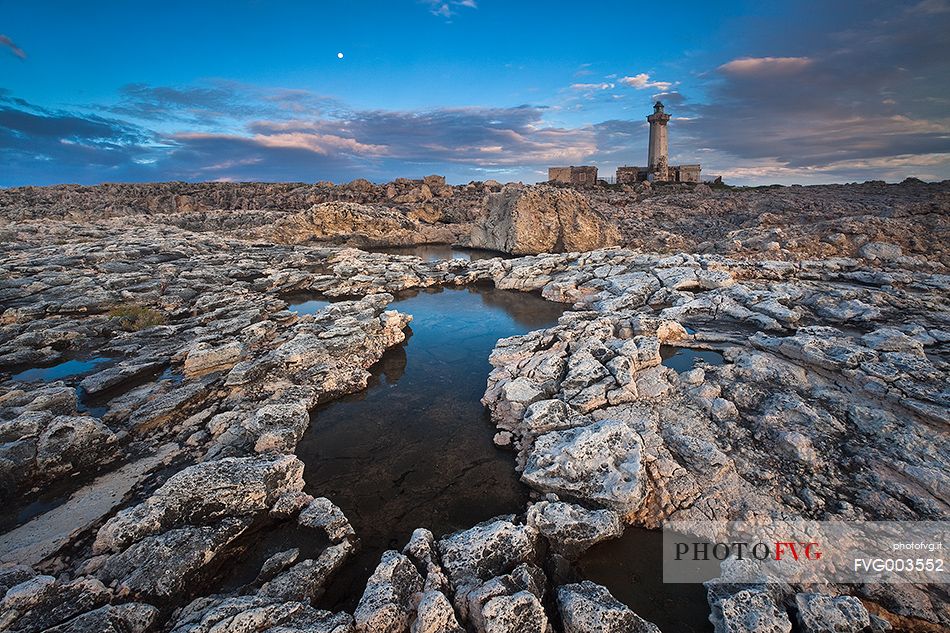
x,y
658,168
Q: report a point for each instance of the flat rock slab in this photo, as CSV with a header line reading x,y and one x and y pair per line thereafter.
x,y
33,542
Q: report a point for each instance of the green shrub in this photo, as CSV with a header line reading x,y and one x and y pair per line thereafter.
x,y
133,317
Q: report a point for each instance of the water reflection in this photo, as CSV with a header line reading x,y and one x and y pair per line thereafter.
x,y
437,252
67,369
683,359
415,449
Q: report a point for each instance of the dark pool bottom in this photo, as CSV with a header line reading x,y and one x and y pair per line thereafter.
x,y
631,567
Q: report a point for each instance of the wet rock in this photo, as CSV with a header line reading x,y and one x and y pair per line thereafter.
x,y
587,607
387,602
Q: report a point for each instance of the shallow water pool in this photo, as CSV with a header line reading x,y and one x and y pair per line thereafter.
x,y
415,448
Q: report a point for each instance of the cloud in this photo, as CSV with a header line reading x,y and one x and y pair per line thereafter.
x,y
57,146
766,65
642,82
589,87
216,103
447,8
16,50
864,101
669,98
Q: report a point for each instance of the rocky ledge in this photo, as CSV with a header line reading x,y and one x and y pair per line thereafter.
x,y
824,396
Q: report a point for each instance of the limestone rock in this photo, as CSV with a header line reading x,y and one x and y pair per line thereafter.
x,y
572,529
601,463
587,607
204,492
818,613
748,611
520,613
541,219
387,602
435,615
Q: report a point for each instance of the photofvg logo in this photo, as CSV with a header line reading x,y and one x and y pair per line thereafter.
x,y
740,550
805,551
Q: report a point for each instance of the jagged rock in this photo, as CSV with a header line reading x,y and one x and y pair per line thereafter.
x,y
69,444
370,224
42,602
601,463
322,514
435,615
229,487
118,375
204,358
520,613
819,613
572,529
747,611
307,579
587,607
164,566
541,219
387,602
254,614
132,617
488,550
880,250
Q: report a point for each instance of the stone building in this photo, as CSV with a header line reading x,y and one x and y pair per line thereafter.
x,y
658,168
584,175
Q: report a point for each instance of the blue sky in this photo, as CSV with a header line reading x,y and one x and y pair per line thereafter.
x,y
760,92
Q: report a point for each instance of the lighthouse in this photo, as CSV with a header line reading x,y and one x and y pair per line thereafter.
x,y
658,167
658,158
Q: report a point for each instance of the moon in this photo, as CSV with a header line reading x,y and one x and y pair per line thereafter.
x,y
339,55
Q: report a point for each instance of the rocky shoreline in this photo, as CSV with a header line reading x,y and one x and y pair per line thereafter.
x,y
831,402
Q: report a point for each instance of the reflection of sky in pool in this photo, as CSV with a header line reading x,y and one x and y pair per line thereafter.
x,y
438,252
68,369
683,359
307,307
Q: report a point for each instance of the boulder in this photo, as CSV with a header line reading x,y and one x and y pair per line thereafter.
x,y
601,463
747,611
541,219
435,615
233,486
818,613
587,607
387,602
572,529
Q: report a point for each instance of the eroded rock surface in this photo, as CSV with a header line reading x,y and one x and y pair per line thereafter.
x,y
167,334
